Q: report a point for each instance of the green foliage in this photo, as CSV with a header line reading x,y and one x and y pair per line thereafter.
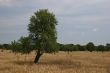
x,y
69,47
101,48
43,31
25,45
108,47
1,46
15,46
5,46
90,46
75,48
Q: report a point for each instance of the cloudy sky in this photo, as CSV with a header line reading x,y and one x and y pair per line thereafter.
x,y
80,21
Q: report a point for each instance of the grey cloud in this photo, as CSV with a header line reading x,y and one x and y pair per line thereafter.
x,y
78,19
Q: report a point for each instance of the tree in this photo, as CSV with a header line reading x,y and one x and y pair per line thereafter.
x,y
42,29
6,46
15,46
107,47
1,46
90,46
101,48
68,47
25,45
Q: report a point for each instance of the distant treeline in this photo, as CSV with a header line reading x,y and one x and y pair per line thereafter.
x,y
88,47
63,47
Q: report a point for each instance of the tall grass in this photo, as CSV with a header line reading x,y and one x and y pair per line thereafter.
x,y
74,62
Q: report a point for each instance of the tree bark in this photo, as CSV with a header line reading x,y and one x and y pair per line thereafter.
x,y
37,56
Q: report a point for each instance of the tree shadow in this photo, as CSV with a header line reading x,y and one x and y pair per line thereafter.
x,y
23,62
4,68
62,64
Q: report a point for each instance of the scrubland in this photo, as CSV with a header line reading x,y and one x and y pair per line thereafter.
x,y
62,62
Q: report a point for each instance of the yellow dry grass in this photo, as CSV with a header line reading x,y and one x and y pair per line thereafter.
x,y
75,62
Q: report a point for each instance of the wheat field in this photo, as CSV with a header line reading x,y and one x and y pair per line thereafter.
x,y
62,62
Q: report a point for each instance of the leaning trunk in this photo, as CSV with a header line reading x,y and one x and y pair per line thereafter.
x,y
37,56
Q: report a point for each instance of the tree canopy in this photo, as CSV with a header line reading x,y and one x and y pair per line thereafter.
x,y
90,46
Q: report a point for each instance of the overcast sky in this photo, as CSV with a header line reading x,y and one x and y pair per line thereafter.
x,y
80,21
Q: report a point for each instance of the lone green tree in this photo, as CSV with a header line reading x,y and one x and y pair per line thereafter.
x,y
42,28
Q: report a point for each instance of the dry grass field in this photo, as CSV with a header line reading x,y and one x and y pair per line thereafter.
x,y
75,62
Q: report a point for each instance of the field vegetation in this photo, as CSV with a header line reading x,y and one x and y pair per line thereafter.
x,y
61,62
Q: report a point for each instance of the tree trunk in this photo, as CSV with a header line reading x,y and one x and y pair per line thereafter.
x,y
37,56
